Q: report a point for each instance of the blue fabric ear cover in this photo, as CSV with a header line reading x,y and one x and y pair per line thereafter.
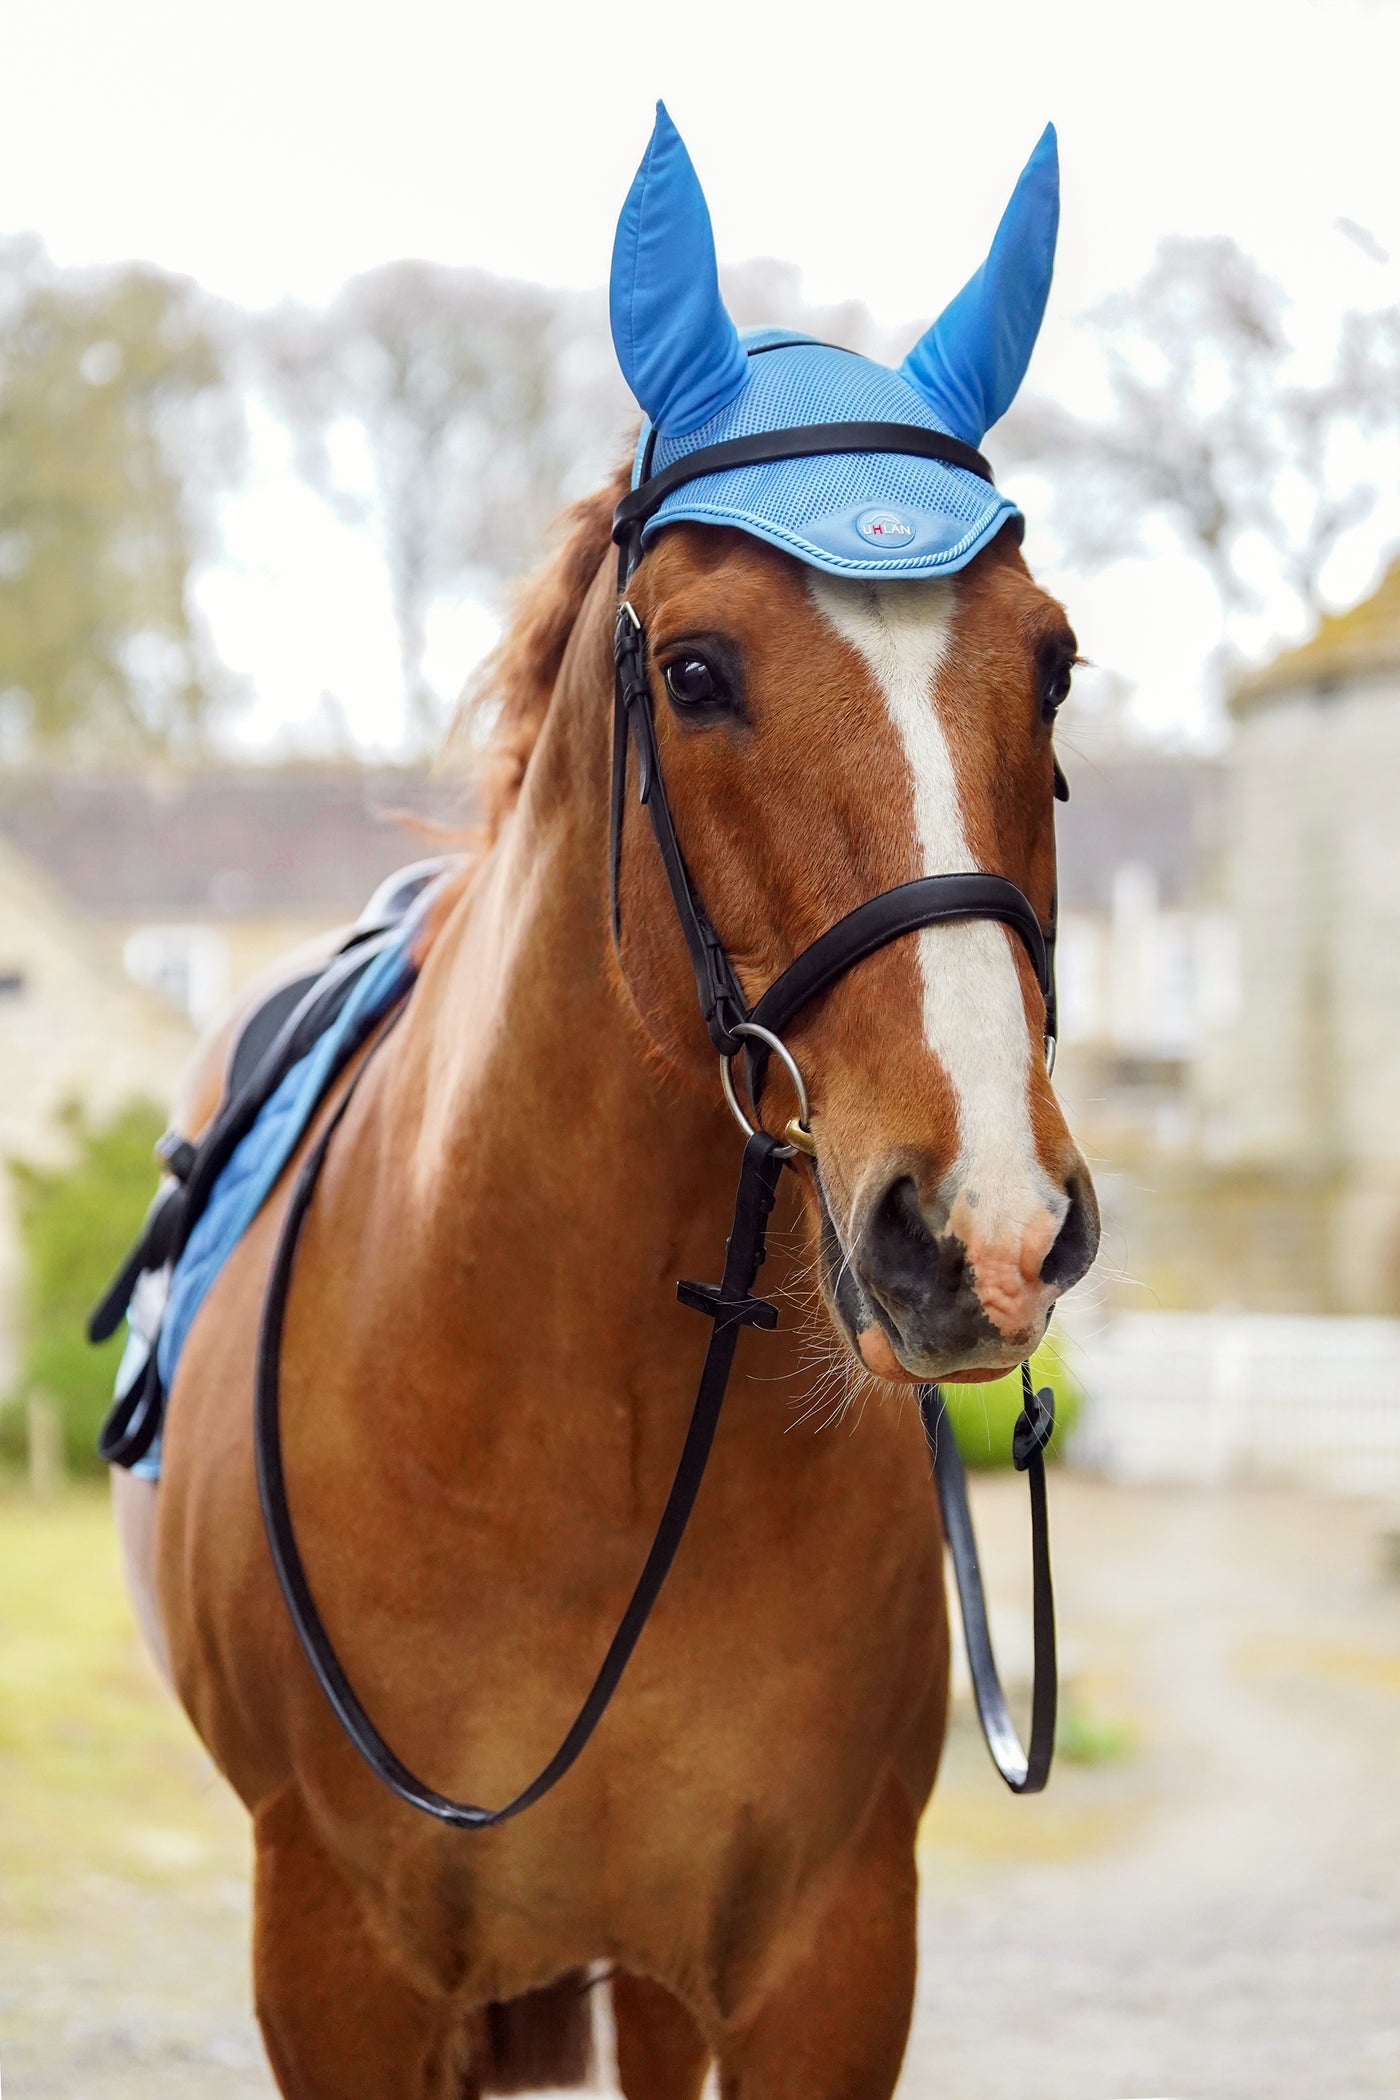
x,y
679,351
970,363
858,514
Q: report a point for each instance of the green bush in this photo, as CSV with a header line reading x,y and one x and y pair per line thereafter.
x,y
983,1416
1084,1736
76,1223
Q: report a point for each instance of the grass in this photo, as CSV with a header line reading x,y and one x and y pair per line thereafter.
x,y
1084,1737
100,1775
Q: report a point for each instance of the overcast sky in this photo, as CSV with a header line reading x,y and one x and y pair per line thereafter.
x,y
275,146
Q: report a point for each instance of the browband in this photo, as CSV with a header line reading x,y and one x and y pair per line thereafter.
x,y
805,441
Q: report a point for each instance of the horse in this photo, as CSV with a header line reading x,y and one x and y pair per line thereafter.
x,y
485,1373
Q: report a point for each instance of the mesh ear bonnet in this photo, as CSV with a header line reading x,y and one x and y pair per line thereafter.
x,y
699,383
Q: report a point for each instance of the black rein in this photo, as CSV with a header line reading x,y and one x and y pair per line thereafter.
x,y
730,1305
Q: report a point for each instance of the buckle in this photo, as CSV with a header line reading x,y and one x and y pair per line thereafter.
x,y
176,1153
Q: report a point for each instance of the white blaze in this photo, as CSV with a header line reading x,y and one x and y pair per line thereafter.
x,y
974,1015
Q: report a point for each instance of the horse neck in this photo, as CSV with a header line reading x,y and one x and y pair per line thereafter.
x,y
558,1160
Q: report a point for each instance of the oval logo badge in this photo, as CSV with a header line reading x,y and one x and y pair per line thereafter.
x,y
884,528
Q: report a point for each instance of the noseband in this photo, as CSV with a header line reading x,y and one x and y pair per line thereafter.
x,y
733,1026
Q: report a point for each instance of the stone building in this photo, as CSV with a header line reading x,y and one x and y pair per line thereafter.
x,y
1146,955
193,880
133,907
1301,1093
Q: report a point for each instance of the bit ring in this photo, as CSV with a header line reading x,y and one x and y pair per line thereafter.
x,y
798,1133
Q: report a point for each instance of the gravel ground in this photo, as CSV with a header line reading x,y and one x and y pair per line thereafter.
x,y
1217,1916
1206,1906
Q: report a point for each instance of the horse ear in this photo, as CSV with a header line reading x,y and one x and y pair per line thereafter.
x,y
974,357
680,353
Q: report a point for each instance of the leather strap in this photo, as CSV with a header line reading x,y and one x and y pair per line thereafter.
x,y
803,441
1025,1772
159,1230
175,1210
129,1428
929,901
729,1305
722,1001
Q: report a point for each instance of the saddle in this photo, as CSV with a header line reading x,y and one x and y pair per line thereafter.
x,y
289,1051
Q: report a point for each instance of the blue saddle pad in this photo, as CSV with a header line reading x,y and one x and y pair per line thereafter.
x,y
162,1310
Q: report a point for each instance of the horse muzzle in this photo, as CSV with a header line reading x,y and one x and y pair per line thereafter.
x,y
923,1294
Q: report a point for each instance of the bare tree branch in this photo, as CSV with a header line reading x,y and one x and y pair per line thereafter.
x,y
1208,430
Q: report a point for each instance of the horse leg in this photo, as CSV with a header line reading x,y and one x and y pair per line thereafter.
x,y
832,2023
337,2018
661,2054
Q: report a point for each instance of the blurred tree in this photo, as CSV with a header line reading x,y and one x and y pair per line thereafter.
x,y
449,412
76,1223
105,452
455,414
1260,476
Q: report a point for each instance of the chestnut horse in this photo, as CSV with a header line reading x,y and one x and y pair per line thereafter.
x,y
486,1376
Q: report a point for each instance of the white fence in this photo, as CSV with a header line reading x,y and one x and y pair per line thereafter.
x,y
1209,1397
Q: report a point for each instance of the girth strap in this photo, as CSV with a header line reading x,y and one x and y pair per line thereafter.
x,y
135,1418
176,1207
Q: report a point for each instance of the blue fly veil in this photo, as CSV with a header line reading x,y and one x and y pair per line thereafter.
x,y
700,383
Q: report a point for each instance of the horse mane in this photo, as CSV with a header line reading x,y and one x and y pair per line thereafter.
x,y
513,687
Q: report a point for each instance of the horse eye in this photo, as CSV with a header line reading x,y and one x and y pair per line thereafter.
x,y
691,682
1054,687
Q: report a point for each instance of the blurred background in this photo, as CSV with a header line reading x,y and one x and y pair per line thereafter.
x,y
303,344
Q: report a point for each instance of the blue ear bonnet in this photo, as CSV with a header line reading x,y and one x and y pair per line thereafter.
x,y
699,383
850,513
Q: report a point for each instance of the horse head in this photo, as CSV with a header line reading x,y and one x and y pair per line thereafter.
x,y
854,682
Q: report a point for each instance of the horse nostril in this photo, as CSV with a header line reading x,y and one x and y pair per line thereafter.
x,y
900,1247
1077,1241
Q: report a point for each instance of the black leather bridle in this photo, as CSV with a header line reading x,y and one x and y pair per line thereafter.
x,y
927,902
733,1026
